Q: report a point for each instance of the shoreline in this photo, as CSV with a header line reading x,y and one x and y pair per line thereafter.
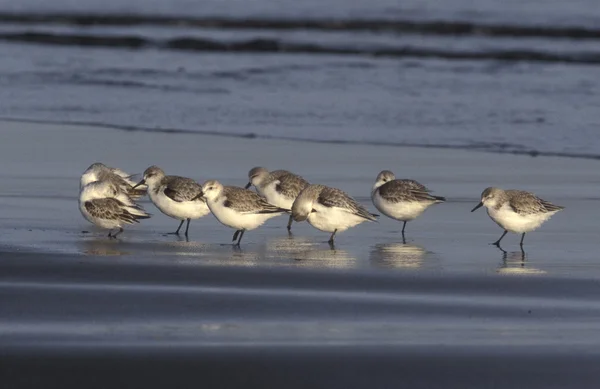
x,y
503,149
39,209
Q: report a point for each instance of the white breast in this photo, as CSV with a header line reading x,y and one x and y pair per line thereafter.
x,y
238,220
178,210
329,219
511,221
403,211
270,193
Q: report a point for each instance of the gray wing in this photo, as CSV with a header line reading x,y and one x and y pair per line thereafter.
x,y
120,182
397,191
110,209
278,173
415,185
116,179
290,185
247,201
182,189
526,203
333,197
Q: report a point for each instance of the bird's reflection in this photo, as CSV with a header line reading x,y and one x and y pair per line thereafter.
x,y
515,262
284,246
309,253
397,255
325,258
102,246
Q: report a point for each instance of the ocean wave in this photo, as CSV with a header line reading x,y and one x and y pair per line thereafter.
x,y
265,45
406,26
488,147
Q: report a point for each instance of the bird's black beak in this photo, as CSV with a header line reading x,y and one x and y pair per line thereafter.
x,y
248,185
477,207
139,183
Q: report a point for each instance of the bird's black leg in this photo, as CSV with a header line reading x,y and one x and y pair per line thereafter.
x,y
522,237
110,233
497,243
178,228
235,235
330,241
240,239
187,227
289,226
403,227
120,230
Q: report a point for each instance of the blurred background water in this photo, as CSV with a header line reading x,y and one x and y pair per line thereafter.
x,y
502,76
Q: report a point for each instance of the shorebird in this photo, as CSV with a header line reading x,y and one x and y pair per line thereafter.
x,y
279,187
100,172
329,210
402,200
175,196
238,208
516,211
100,203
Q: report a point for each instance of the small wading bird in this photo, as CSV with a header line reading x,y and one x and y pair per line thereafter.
x,y
402,200
516,211
238,208
104,205
175,196
279,187
100,172
329,210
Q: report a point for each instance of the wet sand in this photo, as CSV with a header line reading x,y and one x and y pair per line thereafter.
x,y
443,309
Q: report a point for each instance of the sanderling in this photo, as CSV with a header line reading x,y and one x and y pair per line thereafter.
x,y
99,204
516,211
403,200
329,209
238,208
174,196
279,187
100,172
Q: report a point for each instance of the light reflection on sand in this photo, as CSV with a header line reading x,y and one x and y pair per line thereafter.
x,y
309,253
103,247
515,263
397,255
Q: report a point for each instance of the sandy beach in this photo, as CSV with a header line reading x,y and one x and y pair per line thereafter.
x,y
445,301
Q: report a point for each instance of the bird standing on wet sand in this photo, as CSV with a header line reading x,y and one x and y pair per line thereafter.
x,y
175,196
100,172
403,200
104,205
516,211
279,187
329,209
238,208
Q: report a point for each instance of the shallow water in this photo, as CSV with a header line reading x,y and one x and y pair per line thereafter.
x,y
373,310
517,78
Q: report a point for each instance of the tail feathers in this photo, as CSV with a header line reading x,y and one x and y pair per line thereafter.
x,y
439,199
373,217
136,213
552,207
139,212
136,193
275,210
